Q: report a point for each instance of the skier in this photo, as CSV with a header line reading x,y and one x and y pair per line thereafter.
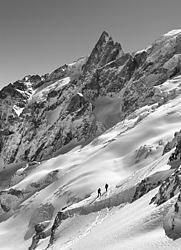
x,y
99,192
106,187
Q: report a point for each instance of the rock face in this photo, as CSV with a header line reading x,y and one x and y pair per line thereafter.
x,y
175,158
172,220
174,142
150,183
39,234
9,200
169,188
46,115
104,52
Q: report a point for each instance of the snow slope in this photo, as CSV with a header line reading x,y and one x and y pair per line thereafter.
x,y
135,226
122,157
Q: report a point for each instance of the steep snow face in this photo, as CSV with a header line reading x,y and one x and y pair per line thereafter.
x,y
71,70
41,95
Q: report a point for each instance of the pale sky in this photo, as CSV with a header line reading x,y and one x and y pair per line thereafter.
x,y
37,36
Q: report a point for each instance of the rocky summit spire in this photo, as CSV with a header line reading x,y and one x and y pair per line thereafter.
x,y
104,36
105,51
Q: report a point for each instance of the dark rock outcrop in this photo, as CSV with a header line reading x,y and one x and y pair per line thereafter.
x,y
39,234
173,143
9,201
150,183
104,52
171,222
169,188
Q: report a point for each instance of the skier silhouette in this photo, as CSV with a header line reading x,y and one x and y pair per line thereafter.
x,y
99,192
106,187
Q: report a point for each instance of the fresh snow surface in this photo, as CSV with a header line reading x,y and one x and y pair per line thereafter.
x,y
170,88
18,110
173,32
42,93
140,51
121,157
80,94
78,63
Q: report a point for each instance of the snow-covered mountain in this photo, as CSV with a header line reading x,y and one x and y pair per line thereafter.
x,y
112,117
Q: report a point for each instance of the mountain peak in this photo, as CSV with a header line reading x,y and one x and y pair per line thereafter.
x,y
104,36
105,51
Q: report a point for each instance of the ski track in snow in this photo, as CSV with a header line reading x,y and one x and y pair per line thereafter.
x,y
99,219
